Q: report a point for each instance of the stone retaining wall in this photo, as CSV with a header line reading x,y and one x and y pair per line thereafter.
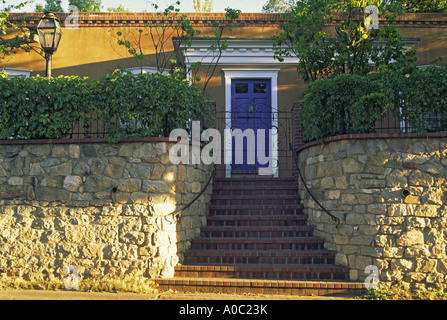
x,y
104,208
390,195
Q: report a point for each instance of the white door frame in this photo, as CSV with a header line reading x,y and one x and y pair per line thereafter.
x,y
271,74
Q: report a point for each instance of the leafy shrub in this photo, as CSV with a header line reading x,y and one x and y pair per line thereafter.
x,y
40,107
151,104
343,104
354,103
401,292
129,105
420,98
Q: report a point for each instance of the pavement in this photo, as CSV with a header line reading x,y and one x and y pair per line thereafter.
x,y
78,295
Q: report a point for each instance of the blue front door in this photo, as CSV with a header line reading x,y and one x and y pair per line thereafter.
x,y
250,109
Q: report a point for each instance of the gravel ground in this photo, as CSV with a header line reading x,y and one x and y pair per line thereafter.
x,y
75,295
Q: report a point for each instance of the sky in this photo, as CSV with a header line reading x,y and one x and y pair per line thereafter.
x,y
145,5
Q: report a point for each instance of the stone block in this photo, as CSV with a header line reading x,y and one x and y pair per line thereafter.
x,y
132,237
97,183
348,199
72,183
158,171
42,150
129,185
377,208
378,159
81,168
327,183
88,150
51,194
341,183
114,170
426,210
141,171
426,265
351,165
15,181
364,240
152,186
170,174
355,219
139,197
410,238
96,165
63,169
333,194
419,178
74,151
91,251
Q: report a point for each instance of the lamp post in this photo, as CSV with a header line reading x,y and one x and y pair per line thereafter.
x,y
50,33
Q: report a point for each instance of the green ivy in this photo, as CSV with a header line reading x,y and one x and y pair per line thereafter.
x,y
142,105
349,104
34,108
343,104
418,96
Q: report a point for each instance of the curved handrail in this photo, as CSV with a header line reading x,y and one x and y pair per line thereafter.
x,y
176,212
334,218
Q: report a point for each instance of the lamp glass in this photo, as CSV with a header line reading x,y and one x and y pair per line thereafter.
x,y
49,32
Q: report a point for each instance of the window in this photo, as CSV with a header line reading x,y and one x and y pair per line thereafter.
x,y
241,87
144,69
17,73
260,88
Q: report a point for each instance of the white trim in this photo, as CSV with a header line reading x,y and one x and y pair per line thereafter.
x,y
256,52
14,72
230,74
145,69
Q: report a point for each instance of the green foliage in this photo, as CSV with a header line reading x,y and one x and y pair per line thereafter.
x,y
11,45
349,48
41,107
50,5
156,103
420,98
86,5
354,103
278,5
120,8
344,104
130,105
423,5
183,31
400,292
206,6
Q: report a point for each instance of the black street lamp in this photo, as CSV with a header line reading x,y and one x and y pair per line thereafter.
x,y
50,33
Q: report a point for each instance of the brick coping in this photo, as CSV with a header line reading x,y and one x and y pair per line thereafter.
x,y
371,136
108,19
86,141
240,282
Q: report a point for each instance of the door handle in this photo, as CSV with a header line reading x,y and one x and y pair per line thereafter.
x,y
250,108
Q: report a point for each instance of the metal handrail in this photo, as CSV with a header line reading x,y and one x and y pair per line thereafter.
x,y
176,212
334,218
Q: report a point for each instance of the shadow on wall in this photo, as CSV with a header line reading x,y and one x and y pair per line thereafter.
x,y
390,195
104,208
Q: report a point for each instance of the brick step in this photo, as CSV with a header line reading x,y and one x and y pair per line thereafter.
x,y
286,257
270,287
255,191
255,210
256,220
272,200
254,182
256,232
305,243
257,271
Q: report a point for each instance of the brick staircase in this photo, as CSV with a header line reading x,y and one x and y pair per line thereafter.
x,y
257,240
